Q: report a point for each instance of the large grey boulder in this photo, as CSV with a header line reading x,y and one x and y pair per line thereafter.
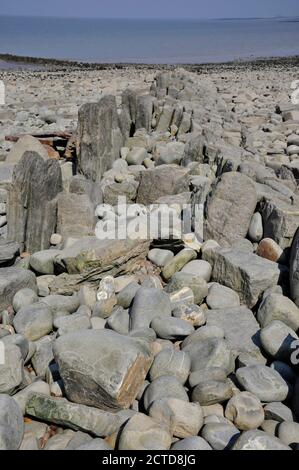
x,y
164,180
102,368
246,273
239,325
11,424
99,137
32,202
229,208
11,281
78,417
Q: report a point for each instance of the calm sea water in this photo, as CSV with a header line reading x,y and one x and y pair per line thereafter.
x,y
149,41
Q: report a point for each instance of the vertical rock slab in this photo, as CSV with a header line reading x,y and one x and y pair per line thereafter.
x,y
229,208
99,137
75,215
32,202
294,269
101,368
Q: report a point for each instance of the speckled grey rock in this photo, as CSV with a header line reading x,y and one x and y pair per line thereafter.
x,y
191,443
11,371
171,362
21,397
211,352
196,283
220,436
210,392
184,419
245,411
34,321
222,297
11,424
148,303
23,298
278,307
263,382
127,294
143,433
71,323
191,313
278,412
199,268
164,387
160,257
119,321
171,328
259,440
95,444
288,433
277,340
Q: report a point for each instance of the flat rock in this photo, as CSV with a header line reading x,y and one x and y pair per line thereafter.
x,y
171,328
245,273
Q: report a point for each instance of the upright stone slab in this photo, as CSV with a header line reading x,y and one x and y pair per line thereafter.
x,y
99,137
246,273
102,368
229,208
32,202
164,180
75,215
294,269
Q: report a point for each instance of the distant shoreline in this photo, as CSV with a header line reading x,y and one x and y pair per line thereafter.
x,y
11,62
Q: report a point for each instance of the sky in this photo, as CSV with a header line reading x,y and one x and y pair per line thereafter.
x,y
151,8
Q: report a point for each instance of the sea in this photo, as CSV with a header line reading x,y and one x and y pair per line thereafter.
x,y
147,41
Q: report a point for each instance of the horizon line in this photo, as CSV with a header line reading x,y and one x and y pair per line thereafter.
x,y
148,18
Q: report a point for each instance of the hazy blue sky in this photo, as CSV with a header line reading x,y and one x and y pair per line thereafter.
x,y
151,8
